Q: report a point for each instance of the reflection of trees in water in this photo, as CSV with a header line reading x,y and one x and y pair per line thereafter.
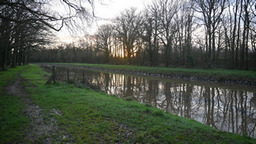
x,y
225,109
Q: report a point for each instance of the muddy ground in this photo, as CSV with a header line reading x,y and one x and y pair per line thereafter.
x,y
42,126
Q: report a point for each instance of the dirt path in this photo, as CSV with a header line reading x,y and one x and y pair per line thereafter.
x,y
40,130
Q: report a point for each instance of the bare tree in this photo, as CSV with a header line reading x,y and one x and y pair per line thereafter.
x,y
38,13
234,32
149,33
104,37
167,9
162,35
127,26
245,41
184,22
19,20
211,11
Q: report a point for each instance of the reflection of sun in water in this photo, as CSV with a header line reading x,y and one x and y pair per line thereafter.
x,y
160,86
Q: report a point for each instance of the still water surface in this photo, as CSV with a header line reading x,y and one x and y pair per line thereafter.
x,y
224,107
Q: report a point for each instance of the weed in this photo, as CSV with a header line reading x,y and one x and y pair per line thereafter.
x,y
158,113
148,105
129,98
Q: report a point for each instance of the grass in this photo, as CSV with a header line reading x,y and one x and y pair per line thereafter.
x,y
219,74
8,77
12,118
88,116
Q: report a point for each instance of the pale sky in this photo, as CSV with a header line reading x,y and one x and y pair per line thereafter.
x,y
108,10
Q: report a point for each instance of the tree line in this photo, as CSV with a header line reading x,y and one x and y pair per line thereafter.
x,y
186,33
28,24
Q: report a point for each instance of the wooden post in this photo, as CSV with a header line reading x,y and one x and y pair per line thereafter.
x,y
52,77
83,78
68,75
53,74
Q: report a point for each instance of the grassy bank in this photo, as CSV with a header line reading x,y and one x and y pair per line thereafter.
x,y
87,116
12,117
217,74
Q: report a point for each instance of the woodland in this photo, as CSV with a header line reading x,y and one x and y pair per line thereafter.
x,y
169,33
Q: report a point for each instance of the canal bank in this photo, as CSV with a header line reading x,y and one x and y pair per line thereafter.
x,y
86,116
224,107
238,77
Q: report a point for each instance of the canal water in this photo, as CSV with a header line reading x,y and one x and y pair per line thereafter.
x,y
225,107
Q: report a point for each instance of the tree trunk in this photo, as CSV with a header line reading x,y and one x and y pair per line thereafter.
x,y
247,24
213,49
5,46
5,55
209,47
129,55
166,56
14,57
234,36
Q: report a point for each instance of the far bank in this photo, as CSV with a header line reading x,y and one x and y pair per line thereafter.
x,y
240,77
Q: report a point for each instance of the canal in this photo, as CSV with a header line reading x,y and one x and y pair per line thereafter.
x,y
225,107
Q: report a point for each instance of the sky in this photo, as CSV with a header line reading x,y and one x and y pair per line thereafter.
x,y
107,9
